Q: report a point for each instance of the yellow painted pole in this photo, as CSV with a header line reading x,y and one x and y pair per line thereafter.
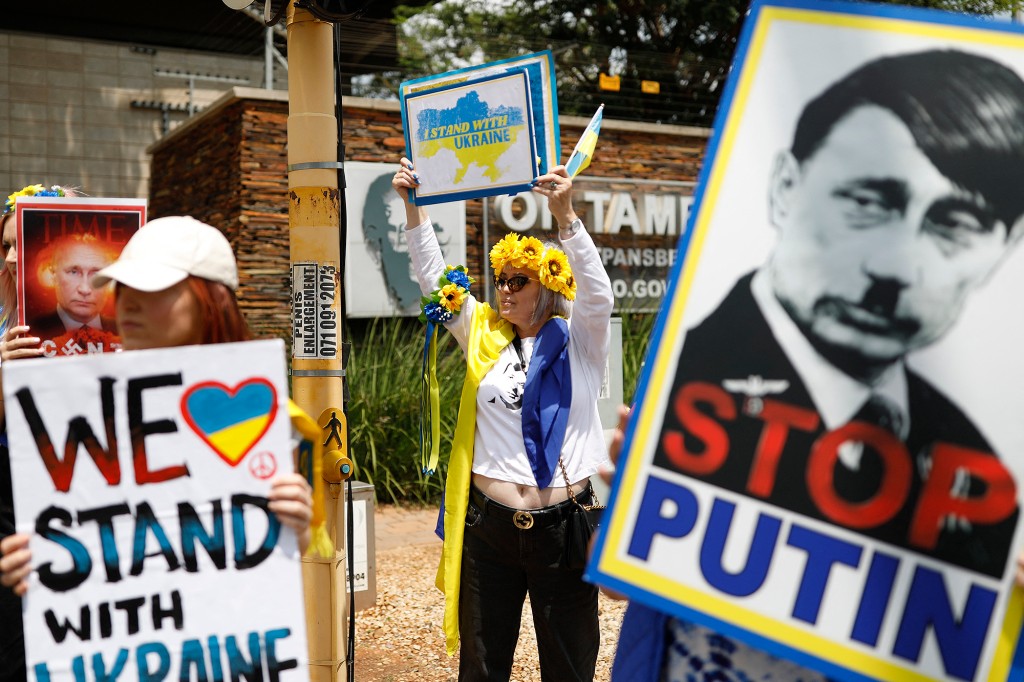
x,y
313,210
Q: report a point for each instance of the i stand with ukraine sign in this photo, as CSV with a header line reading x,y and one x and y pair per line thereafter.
x,y
484,130
824,461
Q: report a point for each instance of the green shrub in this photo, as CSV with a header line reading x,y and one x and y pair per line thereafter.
x,y
636,335
383,374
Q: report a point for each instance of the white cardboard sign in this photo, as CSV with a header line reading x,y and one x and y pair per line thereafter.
x,y
143,479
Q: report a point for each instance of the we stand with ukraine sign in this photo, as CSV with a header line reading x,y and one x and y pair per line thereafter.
x,y
142,478
825,459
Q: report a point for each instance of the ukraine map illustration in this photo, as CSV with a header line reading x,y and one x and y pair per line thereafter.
x,y
472,130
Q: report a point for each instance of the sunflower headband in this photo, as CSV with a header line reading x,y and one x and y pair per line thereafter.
x,y
32,191
529,252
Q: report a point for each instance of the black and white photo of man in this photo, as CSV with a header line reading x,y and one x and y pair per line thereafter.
x,y
890,208
379,275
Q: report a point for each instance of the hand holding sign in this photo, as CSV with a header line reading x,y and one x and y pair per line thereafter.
x,y
14,562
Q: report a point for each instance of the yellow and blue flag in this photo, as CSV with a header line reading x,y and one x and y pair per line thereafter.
x,y
584,150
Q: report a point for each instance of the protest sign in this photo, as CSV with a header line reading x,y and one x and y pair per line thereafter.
x,y
823,459
540,71
471,139
143,480
62,243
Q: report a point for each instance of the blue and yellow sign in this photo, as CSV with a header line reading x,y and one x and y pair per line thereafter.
x,y
823,462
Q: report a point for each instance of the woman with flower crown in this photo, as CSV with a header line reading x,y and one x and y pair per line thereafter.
x,y
11,645
13,344
528,437
9,271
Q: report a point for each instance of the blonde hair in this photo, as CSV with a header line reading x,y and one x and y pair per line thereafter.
x,y
8,288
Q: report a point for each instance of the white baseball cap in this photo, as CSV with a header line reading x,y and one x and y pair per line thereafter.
x,y
167,250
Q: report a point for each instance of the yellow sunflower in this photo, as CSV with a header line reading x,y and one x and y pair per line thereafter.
x,y
503,251
556,274
452,296
29,191
570,285
530,255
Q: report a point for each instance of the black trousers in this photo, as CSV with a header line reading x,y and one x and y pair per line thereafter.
x,y
12,641
501,564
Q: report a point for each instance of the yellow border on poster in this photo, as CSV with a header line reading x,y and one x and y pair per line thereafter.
x,y
645,429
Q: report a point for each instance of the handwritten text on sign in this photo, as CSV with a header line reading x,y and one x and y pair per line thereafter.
x,y
147,519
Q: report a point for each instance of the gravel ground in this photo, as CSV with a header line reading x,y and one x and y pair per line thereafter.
x,y
401,638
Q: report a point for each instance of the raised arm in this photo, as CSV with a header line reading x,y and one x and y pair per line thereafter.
x,y
592,308
405,179
424,251
427,259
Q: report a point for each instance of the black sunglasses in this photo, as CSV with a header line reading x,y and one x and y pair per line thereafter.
x,y
514,283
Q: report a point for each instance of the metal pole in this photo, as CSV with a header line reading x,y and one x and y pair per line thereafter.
x,y
313,217
489,293
268,58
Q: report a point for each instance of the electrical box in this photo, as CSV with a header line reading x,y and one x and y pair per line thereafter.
x,y
363,548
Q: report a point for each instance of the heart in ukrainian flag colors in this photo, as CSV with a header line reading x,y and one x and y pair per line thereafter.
x,y
230,421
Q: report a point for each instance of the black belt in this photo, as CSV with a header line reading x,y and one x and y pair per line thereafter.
x,y
525,519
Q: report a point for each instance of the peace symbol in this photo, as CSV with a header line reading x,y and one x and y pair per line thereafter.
x,y
262,465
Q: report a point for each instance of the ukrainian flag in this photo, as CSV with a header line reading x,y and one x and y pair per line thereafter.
x,y
584,150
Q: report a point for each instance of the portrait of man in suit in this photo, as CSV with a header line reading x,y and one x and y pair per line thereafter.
x,y
73,262
890,208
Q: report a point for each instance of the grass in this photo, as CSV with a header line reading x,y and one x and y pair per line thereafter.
x,y
636,333
383,408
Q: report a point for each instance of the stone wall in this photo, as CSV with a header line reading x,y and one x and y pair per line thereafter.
x,y
228,167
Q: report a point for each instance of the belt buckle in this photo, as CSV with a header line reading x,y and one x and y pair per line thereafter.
x,y
523,520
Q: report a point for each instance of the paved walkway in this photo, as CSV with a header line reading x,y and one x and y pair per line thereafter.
x,y
396,526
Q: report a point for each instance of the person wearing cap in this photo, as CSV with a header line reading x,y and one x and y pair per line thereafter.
x,y
175,282
527,441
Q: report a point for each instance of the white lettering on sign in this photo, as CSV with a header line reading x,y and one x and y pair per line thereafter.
x,y
660,214
521,212
315,333
636,290
623,214
637,257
